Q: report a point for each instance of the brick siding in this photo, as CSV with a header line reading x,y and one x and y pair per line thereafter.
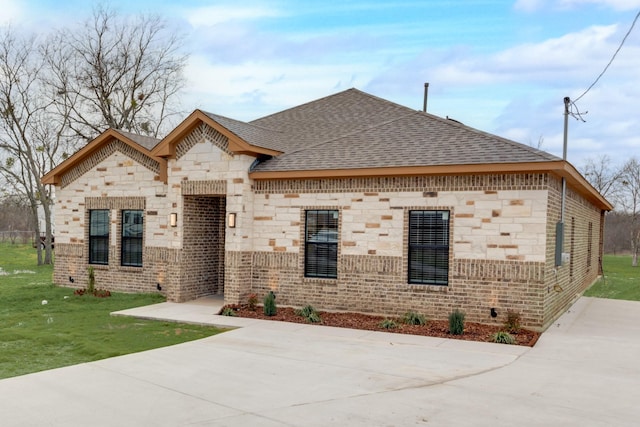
x,y
203,247
502,235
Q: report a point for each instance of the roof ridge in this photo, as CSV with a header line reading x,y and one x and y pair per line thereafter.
x,y
139,139
377,98
354,132
212,115
307,103
456,123
124,132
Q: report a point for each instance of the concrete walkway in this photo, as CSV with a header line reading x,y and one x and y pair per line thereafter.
x,y
583,371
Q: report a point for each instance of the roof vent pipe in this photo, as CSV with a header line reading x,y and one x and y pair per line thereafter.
x,y
426,93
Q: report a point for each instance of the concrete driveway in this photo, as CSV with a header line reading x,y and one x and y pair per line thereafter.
x,y
584,371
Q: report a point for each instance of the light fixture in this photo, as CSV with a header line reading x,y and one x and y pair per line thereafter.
x,y
173,219
71,279
494,313
232,220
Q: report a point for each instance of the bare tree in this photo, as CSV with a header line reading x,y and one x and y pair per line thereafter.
x,y
112,72
116,72
616,234
604,176
629,201
15,217
30,136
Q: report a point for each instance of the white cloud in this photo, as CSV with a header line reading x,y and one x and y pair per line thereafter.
x,y
577,54
249,90
614,4
243,70
11,11
528,82
570,62
212,15
610,126
528,5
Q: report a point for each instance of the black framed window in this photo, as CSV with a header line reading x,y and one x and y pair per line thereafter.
x,y
321,244
132,230
429,247
99,236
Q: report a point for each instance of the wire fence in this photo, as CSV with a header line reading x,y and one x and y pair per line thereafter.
x,y
17,237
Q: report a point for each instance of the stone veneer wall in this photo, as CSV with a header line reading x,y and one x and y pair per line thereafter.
x,y
499,240
92,162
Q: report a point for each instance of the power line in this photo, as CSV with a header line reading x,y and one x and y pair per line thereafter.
x,y
612,58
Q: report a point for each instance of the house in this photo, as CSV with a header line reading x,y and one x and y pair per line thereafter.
x,y
349,202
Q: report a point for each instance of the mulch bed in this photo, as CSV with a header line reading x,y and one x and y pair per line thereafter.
x,y
433,328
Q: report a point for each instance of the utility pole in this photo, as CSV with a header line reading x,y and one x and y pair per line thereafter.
x,y
560,224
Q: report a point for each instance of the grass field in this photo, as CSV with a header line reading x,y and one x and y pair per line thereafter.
x,y
70,329
620,281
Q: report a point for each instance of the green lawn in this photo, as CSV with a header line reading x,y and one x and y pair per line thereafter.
x,y
70,329
620,281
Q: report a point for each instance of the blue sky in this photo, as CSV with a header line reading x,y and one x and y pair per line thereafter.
x,y
500,66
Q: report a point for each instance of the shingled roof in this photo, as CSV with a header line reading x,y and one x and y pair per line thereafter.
x,y
354,130
147,142
349,134
252,133
353,133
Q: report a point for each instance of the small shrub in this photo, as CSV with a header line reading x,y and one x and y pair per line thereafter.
x,y
252,302
388,324
228,311
269,306
98,293
512,324
456,322
413,318
309,313
305,311
503,337
101,293
314,318
91,287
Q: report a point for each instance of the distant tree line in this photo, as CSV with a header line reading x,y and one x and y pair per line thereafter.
x,y
16,220
621,186
616,233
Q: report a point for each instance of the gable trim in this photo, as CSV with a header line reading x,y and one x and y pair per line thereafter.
x,y
167,147
55,176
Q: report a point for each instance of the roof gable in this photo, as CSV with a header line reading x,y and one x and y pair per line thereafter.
x,y
236,144
100,147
